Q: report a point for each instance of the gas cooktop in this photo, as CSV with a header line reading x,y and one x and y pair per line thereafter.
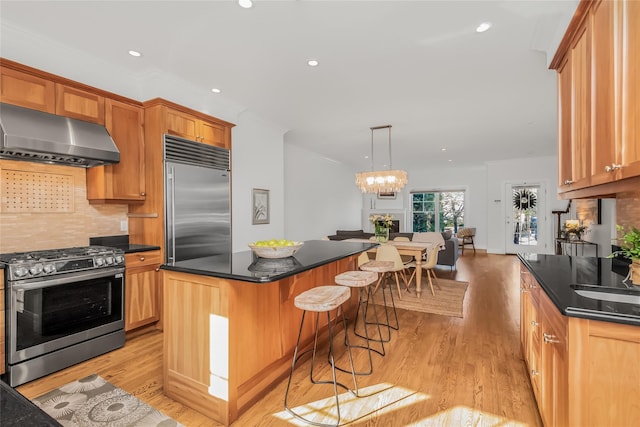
x,y
25,265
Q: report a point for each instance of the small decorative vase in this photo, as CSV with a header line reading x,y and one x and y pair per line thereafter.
x,y
382,234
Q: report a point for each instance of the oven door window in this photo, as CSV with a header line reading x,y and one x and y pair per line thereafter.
x,y
48,313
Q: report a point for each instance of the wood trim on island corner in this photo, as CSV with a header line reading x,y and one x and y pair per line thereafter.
x,y
255,328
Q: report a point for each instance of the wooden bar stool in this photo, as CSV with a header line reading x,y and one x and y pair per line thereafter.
x,y
322,299
383,267
362,280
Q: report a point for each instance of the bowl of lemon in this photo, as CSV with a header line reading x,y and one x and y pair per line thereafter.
x,y
275,248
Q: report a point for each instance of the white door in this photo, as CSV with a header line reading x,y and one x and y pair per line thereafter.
x,y
525,218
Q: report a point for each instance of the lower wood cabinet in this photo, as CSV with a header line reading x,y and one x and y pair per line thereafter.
x,y
583,372
2,348
142,289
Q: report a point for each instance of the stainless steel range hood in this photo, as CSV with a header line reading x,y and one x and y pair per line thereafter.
x,y
46,138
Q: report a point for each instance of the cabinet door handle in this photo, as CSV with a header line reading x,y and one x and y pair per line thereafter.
x,y
534,373
157,269
550,338
612,167
568,181
523,290
141,258
534,323
143,194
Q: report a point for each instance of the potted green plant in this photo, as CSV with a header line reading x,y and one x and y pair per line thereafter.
x,y
630,248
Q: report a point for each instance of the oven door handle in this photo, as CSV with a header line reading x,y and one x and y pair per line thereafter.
x,y
46,282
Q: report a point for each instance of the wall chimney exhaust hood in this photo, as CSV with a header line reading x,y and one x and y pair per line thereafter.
x,y
36,136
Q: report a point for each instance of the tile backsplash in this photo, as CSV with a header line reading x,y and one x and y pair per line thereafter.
x,y
27,219
628,209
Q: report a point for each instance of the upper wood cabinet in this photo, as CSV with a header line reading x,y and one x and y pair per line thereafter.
x,y
27,90
123,181
196,129
79,104
598,64
629,151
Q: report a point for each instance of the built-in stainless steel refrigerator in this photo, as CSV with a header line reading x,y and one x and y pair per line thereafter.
x,y
197,200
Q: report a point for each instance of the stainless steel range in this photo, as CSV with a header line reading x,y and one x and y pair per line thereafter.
x,y
63,306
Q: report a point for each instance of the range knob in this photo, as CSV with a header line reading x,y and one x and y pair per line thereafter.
x,y
21,271
49,268
109,260
99,261
119,259
35,269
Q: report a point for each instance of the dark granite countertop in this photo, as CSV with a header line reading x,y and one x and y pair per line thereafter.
x,y
121,242
556,274
248,267
16,410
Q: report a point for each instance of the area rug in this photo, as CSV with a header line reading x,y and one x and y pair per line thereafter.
x,y
93,402
447,301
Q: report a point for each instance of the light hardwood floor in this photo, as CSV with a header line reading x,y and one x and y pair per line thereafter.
x,y
443,371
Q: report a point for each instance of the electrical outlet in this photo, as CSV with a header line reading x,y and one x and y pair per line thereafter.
x,y
124,225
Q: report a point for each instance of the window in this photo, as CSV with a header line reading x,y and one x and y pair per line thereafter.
x,y
437,210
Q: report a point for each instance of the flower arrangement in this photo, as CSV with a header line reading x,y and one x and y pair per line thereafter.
x,y
382,223
573,228
385,221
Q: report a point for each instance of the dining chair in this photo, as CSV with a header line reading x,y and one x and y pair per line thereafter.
x,y
429,266
405,258
363,258
390,253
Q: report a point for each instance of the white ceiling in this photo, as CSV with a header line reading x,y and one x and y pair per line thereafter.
x,y
417,65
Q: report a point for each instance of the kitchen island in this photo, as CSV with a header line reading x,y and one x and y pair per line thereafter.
x,y
580,338
230,325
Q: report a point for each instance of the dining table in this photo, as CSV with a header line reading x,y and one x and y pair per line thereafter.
x,y
415,249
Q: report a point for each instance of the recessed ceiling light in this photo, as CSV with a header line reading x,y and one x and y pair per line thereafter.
x,y
245,3
450,160
134,53
443,149
312,63
215,90
484,27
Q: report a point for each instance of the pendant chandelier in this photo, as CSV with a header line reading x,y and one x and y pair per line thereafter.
x,y
384,181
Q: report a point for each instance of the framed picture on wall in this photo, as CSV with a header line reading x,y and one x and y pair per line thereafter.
x,y
387,195
589,211
260,210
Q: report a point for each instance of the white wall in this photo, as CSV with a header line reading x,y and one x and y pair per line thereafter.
x,y
257,161
321,195
519,171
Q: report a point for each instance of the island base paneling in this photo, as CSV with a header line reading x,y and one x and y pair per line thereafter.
x,y
226,342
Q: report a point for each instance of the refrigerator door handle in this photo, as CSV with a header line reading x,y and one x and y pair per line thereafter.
x,y
172,213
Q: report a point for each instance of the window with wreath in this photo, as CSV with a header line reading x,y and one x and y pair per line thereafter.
x,y
437,210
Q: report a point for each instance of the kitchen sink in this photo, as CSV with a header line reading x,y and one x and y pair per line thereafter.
x,y
603,293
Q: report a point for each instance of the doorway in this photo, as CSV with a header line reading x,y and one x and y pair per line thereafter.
x,y
525,218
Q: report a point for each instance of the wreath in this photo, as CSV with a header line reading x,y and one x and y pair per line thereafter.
x,y
524,199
